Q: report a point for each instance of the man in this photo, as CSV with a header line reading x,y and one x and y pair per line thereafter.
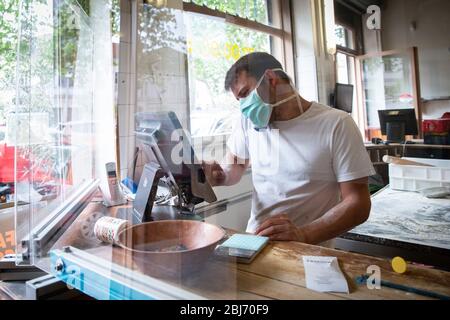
x,y
310,168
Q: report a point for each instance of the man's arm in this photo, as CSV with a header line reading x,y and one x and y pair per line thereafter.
x,y
353,210
228,173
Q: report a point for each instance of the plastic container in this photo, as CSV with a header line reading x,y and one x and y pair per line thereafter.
x,y
417,178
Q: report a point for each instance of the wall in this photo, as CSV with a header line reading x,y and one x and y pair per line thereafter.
x,y
435,109
431,36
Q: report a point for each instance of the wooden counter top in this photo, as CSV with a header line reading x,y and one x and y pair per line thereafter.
x,y
281,267
278,272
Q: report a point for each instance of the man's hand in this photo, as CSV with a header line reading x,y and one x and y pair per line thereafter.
x,y
234,169
281,228
214,173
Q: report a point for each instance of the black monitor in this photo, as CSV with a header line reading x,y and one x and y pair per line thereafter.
x,y
396,124
343,97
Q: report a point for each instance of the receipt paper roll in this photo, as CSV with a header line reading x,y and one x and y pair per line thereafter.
x,y
107,229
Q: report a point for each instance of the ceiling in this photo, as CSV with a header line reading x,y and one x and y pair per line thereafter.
x,y
360,5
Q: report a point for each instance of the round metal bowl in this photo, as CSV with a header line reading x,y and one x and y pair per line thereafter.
x,y
172,248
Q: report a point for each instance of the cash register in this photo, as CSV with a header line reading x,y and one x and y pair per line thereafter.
x,y
166,161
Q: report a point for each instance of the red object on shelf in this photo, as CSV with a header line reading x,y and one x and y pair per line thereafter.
x,y
437,131
437,126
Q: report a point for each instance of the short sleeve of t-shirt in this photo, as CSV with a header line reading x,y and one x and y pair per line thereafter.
x,y
238,141
350,158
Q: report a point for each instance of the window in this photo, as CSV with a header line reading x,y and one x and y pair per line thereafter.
x,y
8,47
345,60
345,72
181,52
345,68
254,10
213,45
345,37
55,125
51,126
389,81
34,124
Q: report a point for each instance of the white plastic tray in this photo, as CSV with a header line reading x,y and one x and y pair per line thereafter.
x,y
417,178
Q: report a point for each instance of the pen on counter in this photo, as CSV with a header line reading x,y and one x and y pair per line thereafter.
x,y
363,280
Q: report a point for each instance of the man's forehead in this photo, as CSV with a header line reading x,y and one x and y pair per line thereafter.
x,y
242,79
242,76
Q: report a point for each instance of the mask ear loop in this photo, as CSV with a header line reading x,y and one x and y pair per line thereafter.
x,y
299,101
297,96
258,84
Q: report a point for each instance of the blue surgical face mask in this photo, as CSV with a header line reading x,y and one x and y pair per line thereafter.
x,y
258,111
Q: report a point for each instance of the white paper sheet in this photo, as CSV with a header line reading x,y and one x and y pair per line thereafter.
x,y
324,275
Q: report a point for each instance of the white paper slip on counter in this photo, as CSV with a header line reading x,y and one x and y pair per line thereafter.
x,y
417,178
324,275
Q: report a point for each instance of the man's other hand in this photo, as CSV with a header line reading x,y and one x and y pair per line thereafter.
x,y
280,228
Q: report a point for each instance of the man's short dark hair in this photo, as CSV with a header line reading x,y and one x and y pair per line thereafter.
x,y
255,64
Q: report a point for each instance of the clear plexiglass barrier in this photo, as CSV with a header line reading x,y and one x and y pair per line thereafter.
x,y
62,224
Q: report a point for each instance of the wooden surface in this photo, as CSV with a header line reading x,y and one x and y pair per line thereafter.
x,y
281,275
277,273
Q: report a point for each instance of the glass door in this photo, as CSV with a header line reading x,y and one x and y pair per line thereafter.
x,y
387,80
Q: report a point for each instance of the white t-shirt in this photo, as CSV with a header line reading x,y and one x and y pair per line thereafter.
x,y
297,164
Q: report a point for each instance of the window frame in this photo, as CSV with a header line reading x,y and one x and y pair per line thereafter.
x,y
358,110
347,50
347,55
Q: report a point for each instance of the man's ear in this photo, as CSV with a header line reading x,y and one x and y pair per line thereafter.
x,y
271,82
272,78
